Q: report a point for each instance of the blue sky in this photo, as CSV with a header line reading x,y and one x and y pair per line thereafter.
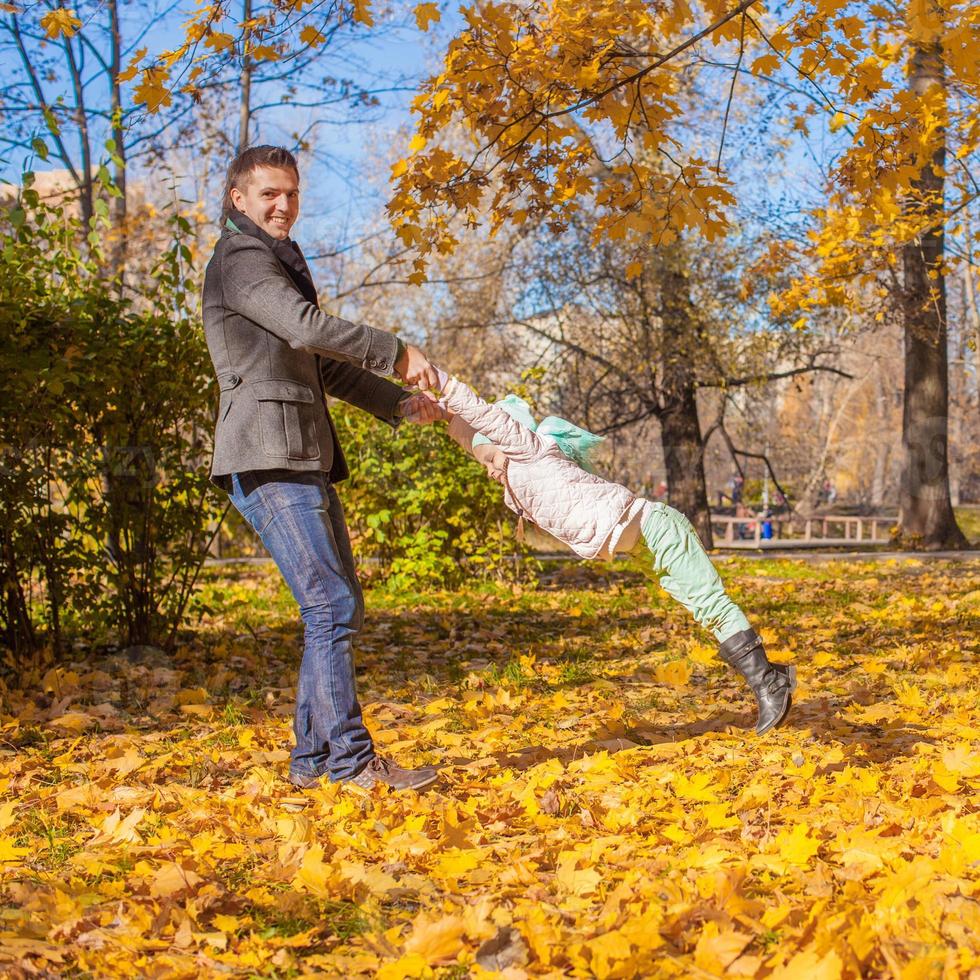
x,y
340,184
345,174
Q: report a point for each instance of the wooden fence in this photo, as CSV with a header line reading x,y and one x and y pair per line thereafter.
x,y
801,532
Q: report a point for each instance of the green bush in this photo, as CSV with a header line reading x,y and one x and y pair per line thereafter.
x,y
420,507
105,422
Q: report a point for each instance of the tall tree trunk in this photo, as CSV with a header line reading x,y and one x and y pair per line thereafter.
x,y
86,187
15,614
973,314
926,516
680,434
245,82
883,448
118,203
680,427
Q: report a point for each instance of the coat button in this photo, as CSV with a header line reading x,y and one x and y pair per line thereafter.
x,y
234,379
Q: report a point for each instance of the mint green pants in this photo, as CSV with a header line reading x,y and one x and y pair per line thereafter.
x,y
686,573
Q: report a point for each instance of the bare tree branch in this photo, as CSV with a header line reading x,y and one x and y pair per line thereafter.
x,y
14,27
768,376
731,94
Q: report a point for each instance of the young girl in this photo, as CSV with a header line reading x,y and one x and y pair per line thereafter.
x,y
545,473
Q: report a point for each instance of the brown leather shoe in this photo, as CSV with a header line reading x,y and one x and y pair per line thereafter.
x,y
306,782
384,771
378,770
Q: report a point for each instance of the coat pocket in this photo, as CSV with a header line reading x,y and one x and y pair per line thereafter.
x,y
287,419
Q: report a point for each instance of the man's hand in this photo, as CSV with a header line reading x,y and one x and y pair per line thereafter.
x,y
413,368
422,409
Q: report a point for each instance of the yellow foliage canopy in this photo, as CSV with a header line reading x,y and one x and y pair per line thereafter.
x,y
534,83
529,82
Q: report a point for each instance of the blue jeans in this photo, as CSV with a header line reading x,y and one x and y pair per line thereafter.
x,y
301,523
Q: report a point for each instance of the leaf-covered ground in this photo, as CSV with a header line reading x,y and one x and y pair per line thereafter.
x,y
602,809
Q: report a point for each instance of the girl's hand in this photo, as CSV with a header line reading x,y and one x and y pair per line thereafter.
x,y
421,409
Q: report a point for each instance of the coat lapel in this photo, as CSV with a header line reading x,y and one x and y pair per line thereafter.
x,y
285,250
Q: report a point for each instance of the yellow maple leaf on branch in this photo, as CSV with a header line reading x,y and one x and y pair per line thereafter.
x,y
129,72
219,41
153,89
264,52
426,14
361,13
312,36
62,22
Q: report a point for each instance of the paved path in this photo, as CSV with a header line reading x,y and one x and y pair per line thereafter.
x,y
864,555
725,555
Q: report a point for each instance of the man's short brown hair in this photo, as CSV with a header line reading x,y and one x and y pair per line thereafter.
x,y
250,160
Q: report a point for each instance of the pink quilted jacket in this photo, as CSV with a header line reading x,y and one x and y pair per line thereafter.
x,y
541,484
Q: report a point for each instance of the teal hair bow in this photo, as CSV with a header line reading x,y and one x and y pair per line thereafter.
x,y
578,444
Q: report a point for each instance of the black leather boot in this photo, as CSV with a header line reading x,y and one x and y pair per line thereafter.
x,y
772,684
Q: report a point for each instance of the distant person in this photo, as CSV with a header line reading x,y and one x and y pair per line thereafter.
x,y
547,479
277,356
744,529
737,484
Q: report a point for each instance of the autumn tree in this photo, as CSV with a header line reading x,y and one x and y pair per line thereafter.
x,y
536,83
925,510
289,69
650,345
546,91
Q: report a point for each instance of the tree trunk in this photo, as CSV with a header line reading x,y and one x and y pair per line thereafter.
x,y
15,614
680,435
973,314
882,450
245,83
926,518
118,203
680,427
86,187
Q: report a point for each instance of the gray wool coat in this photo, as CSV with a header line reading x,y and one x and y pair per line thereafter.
x,y
277,356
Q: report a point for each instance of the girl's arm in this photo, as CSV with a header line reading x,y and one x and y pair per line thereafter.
x,y
461,432
507,434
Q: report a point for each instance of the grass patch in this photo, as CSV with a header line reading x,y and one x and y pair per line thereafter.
x,y
968,518
576,672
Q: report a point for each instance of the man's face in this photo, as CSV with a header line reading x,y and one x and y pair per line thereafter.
x,y
492,459
270,197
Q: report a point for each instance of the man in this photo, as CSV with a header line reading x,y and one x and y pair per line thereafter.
x,y
277,356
